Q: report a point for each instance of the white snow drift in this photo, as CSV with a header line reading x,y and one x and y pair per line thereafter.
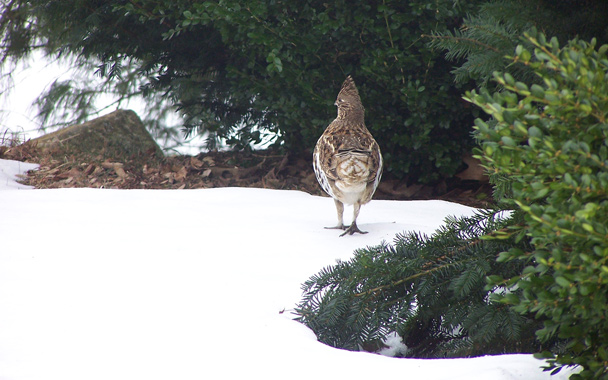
x,y
190,284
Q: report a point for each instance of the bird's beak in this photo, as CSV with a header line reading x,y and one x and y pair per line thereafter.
x,y
336,103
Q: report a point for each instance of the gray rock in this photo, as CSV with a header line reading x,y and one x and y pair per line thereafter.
x,y
119,135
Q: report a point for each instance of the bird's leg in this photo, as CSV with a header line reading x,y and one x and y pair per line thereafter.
x,y
353,227
340,212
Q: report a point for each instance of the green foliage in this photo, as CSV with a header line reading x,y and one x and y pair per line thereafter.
x,y
550,139
484,39
486,36
431,290
238,72
546,150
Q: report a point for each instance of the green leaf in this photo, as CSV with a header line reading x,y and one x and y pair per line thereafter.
x,y
508,141
562,281
503,257
525,56
537,91
535,132
521,87
588,227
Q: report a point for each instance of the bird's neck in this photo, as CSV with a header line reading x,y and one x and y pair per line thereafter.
x,y
353,115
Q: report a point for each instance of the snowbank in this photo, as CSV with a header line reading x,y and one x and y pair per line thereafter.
x,y
190,284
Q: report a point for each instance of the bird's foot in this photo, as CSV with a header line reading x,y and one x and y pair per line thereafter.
x,y
338,227
353,229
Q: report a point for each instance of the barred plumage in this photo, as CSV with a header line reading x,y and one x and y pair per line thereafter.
x,y
347,160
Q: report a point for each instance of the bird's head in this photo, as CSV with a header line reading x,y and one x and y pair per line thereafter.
x,y
348,100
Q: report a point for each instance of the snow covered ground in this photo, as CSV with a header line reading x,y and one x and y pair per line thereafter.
x,y
190,284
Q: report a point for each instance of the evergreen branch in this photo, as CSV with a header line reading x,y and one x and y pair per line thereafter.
x,y
427,288
489,30
462,39
408,279
421,274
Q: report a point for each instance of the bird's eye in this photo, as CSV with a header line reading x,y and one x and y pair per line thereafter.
x,y
340,100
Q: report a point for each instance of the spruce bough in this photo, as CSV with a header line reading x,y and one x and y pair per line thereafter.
x,y
431,290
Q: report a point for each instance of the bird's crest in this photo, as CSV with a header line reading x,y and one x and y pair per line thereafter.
x,y
349,88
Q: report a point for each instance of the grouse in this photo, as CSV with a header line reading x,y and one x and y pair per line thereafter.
x,y
347,160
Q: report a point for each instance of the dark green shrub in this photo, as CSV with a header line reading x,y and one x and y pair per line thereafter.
x,y
237,71
283,65
548,142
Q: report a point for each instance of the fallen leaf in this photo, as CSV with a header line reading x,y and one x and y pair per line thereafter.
x,y
196,163
181,174
89,169
120,172
74,172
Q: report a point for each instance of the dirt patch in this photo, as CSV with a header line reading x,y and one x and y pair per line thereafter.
x,y
260,169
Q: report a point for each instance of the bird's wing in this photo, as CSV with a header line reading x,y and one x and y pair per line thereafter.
x,y
325,151
376,164
320,164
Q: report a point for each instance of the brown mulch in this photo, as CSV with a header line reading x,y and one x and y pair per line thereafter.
x,y
260,169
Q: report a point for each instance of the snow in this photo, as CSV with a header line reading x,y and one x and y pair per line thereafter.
x,y
190,284
9,170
